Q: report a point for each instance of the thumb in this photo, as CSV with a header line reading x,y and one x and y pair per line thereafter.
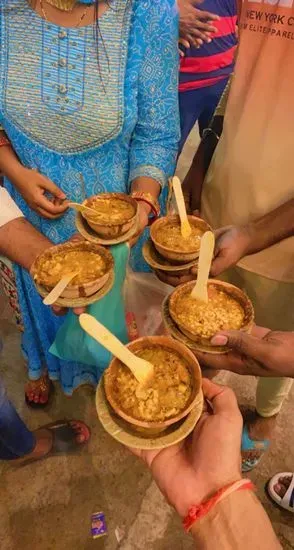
x,y
243,343
222,398
219,264
48,185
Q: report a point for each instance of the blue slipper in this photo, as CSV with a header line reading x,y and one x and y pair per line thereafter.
x,y
248,445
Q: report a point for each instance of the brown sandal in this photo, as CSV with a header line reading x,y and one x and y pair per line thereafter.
x,y
64,440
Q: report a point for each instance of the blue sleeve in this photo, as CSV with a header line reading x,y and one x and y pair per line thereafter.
x,y
155,140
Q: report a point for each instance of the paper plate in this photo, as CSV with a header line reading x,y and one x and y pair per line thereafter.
x,y
153,258
89,234
122,431
80,302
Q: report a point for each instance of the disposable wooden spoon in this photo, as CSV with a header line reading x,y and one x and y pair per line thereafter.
x,y
59,288
82,208
199,291
141,369
185,226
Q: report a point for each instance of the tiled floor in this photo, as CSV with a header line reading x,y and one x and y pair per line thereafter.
x,y
48,505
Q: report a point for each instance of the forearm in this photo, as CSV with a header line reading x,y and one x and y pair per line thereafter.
x,y
21,243
9,162
238,522
201,161
146,185
272,228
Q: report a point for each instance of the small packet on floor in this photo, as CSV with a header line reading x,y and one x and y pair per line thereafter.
x,y
98,525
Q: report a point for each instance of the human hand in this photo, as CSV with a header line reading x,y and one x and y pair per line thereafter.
x,y
195,24
32,186
231,244
191,471
186,45
263,353
143,215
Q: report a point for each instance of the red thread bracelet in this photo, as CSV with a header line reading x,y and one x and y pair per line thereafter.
x,y
141,196
198,511
4,141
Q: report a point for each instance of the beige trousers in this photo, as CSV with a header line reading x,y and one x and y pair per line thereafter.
x,y
274,308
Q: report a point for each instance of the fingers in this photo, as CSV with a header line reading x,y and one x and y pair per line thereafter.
x,y
203,27
46,214
49,186
184,43
195,35
79,310
208,15
223,399
219,232
46,204
175,280
220,263
254,348
59,311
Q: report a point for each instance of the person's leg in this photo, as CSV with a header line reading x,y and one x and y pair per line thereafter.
x,y
191,105
36,391
212,98
273,309
19,445
15,438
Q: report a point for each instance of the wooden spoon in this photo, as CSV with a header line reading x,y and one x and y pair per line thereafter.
x,y
199,291
82,208
185,226
141,369
59,288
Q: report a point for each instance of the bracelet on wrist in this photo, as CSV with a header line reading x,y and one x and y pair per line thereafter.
x,y
199,511
147,198
4,141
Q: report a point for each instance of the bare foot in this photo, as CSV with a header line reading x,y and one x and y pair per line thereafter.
x,y
37,391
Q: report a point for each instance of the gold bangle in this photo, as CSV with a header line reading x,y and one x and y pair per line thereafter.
x,y
141,196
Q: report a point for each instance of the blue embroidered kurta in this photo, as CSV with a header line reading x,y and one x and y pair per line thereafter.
x,y
91,119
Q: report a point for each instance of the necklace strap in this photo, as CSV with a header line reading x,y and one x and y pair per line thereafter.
x,y
63,5
49,2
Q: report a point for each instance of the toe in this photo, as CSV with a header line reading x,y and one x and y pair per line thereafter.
x,y
82,433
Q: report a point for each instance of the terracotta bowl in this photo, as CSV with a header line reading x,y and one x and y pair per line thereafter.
x,y
152,428
112,229
175,255
229,289
81,290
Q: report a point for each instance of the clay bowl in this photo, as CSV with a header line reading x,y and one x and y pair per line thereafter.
x,y
174,254
80,290
146,427
112,228
158,263
229,289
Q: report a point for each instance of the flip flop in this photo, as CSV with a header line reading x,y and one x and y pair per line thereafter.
x,y
248,445
287,501
34,405
63,441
